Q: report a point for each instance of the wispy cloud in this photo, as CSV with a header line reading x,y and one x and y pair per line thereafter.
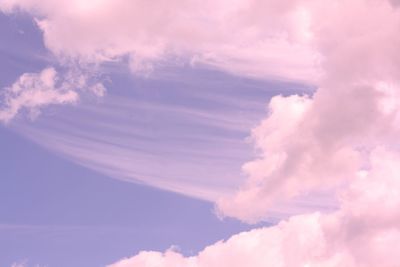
x,y
25,263
34,91
193,151
19,264
167,146
203,33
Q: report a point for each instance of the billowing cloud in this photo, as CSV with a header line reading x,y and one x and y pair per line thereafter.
x,y
320,142
312,144
364,232
34,91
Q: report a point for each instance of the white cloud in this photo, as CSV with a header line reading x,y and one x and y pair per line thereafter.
x,y
308,144
244,37
342,138
364,232
34,91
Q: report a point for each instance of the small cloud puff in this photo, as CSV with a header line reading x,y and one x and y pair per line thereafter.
x,y
34,91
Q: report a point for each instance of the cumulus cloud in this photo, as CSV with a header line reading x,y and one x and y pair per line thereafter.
x,y
34,91
364,232
308,144
312,143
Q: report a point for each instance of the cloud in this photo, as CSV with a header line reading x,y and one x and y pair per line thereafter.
x,y
166,144
307,144
24,264
34,91
320,142
342,139
133,140
363,232
248,38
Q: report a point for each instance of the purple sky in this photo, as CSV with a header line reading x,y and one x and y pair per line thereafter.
x,y
199,133
57,213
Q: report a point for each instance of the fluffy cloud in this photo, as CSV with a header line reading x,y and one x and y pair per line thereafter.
x,y
364,232
320,142
313,144
33,91
246,37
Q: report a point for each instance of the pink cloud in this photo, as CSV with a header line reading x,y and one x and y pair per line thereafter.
x,y
343,138
315,143
234,36
363,232
34,91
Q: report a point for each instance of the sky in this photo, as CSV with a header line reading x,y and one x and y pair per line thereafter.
x,y
199,133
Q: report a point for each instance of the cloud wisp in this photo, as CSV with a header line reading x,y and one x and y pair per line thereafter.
x,y
195,148
34,91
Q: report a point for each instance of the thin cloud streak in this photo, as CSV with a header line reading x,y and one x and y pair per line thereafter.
x,y
190,151
146,147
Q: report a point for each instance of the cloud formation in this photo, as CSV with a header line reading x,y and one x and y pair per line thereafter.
x,y
341,139
244,37
34,91
364,232
320,142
